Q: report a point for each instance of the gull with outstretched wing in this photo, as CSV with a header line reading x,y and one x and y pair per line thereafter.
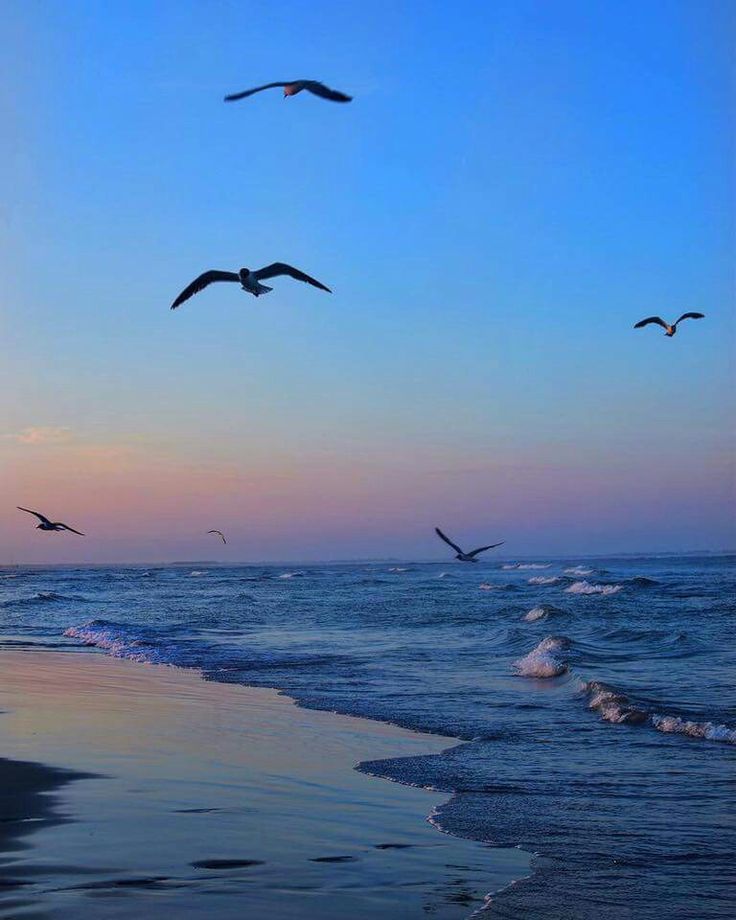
x,y
291,88
461,555
46,524
220,534
250,281
668,330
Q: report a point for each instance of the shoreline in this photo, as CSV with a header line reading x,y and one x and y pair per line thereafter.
x,y
253,800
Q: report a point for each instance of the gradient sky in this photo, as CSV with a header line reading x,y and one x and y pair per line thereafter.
x,y
516,183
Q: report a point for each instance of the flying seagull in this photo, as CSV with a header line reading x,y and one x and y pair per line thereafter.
x,y
465,557
220,533
292,87
249,280
46,524
668,330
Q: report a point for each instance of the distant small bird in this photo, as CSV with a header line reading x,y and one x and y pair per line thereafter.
x,y
668,330
249,280
46,524
465,557
292,87
220,534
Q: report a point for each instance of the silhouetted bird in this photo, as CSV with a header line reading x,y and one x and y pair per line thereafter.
x,y
668,330
249,280
46,524
462,556
292,87
219,533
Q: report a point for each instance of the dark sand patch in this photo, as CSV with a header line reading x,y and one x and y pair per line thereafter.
x,y
27,803
333,859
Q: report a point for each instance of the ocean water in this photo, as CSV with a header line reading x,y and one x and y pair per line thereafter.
x,y
594,699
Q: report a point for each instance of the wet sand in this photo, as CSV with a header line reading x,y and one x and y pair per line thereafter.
x,y
171,796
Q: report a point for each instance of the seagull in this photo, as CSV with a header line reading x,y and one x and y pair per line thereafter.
x,y
249,280
668,330
221,535
292,87
465,557
46,524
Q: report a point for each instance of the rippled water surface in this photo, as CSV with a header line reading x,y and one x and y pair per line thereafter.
x,y
595,697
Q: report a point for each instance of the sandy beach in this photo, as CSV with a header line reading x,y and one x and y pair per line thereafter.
x,y
131,790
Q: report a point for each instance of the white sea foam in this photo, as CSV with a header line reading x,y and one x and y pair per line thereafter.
x,y
197,573
613,706
485,586
585,587
398,568
544,580
544,660
541,613
578,570
292,575
115,640
616,707
707,730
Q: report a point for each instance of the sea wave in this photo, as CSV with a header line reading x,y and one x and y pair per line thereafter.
x,y
42,597
578,570
585,587
544,659
614,706
527,565
541,612
707,730
118,640
544,580
642,582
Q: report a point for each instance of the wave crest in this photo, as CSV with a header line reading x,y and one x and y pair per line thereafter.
x,y
544,660
585,587
614,706
541,612
119,640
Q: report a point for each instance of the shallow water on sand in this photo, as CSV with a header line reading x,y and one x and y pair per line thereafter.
x,y
209,800
596,696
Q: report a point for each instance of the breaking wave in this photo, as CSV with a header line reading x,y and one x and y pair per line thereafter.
x,y
707,730
541,613
544,580
119,640
544,659
585,587
614,706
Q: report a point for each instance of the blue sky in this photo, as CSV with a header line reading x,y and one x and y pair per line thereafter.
x,y
515,184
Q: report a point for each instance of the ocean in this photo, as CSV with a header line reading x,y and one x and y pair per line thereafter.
x,y
593,699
